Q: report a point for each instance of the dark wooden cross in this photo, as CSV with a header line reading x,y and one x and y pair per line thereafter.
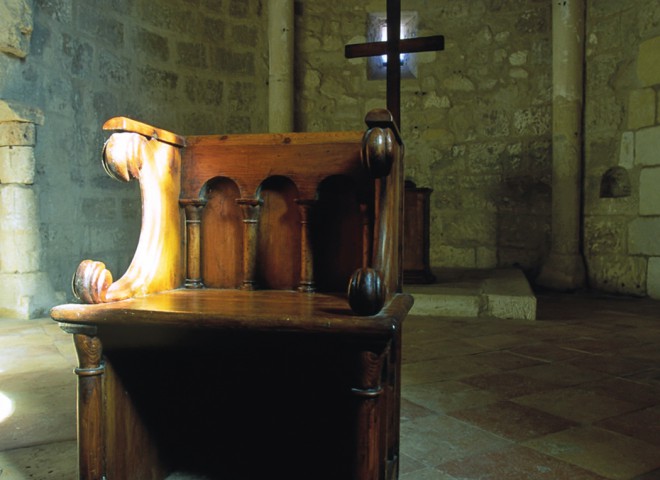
x,y
393,47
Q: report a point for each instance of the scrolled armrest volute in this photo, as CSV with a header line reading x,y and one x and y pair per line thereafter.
x,y
157,262
122,155
378,151
91,282
366,291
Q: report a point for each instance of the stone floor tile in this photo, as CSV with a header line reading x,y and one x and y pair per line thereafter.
x,y
600,343
412,411
408,465
436,439
441,369
577,404
426,474
499,341
560,374
651,475
515,463
55,461
443,397
509,384
506,360
637,392
421,350
612,364
513,421
40,416
545,351
607,453
642,424
649,352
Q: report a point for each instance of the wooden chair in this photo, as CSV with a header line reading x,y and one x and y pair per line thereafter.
x,y
258,327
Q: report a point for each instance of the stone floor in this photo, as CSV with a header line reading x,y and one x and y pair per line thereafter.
x,y
573,395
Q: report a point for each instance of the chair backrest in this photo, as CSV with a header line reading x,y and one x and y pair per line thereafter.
x,y
279,211
306,211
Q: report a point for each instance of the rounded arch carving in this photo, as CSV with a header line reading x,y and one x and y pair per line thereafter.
x,y
341,231
278,240
222,234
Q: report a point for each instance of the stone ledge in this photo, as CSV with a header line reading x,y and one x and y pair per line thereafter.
x,y
11,111
496,293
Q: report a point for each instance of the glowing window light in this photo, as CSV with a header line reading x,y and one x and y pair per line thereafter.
x,y
383,38
6,407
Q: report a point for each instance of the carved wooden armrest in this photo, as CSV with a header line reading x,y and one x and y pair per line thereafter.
x,y
382,155
152,156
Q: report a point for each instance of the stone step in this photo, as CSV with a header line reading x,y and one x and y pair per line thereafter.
x,y
497,293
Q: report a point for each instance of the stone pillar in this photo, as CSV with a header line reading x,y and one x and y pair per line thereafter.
x,y
26,291
280,64
564,269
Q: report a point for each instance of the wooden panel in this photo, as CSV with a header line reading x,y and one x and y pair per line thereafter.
x,y
278,246
129,443
337,233
306,159
222,236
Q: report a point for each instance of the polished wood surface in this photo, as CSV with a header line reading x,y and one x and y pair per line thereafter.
x,y
267,310
267,281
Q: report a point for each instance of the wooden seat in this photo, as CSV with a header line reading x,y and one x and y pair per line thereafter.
x,y
258,327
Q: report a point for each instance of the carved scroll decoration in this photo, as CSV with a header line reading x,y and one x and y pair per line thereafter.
x,y
157,263
382,156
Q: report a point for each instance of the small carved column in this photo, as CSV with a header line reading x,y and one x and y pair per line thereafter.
x,y
371,450
307,283
193,208
251,208
90,370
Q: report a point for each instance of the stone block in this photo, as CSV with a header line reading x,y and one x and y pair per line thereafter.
x,y
648,62
11,111
152,45
622,274
649,191
239,63
16,134
532,121
605,235
647,146
239,8
15,27
192,55
79,53
653,278
644,236
508,295
20,250
17,165
27,295
102,27
452,257
486,257
627,150
641,108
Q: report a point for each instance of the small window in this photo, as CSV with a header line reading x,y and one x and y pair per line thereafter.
x,y
377,32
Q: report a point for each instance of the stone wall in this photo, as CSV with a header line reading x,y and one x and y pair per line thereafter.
x,y
622,135
476,120
190,66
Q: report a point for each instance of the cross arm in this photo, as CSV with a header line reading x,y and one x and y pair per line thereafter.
x,y
406,45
